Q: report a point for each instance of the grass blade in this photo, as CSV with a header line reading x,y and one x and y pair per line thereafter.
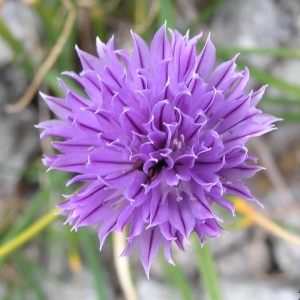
x,y
28,234
289,117
209,10
30,279
207,270
275,52
280,101
24,219
176,275
166,13
14,44
267,78
93,261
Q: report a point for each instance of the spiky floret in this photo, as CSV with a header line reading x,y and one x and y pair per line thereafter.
x,y
159,137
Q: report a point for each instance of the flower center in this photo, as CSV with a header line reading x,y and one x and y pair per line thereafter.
x,y
153,171
178,143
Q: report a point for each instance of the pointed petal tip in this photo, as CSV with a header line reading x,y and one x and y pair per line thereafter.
x,y
69,182
42,94
255,200
186,239
260,204
133,34
147,271
233,212
101,245
236,56
171,262
98,40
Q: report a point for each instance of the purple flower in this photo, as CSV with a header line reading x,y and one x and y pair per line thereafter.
x,y
159,137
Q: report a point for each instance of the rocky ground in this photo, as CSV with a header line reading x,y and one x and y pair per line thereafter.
x,y
251,263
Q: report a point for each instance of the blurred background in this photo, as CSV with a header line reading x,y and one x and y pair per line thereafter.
x,y
37,41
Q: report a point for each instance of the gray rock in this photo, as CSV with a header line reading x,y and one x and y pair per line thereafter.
x,y
252,23
249,24
19,139
14,15
288,257
81,287
154,290
233,254
255,289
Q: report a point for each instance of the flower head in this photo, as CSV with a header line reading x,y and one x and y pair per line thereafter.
x,y
159,137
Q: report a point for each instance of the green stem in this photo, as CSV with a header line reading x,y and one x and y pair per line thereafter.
x,y
207,270
29,233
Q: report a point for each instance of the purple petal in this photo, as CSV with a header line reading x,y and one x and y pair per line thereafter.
x,y
221,74
256,96
88,61
73,162
141,52
109,226
149,243
241,171
135,192
137,225
181,216
167,231
57,105
239,189
238,88
56,128
206,59
125,217
168,252
159,208
160,47
84,144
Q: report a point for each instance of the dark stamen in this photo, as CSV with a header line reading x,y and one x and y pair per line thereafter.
x,y
138,165
154,171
